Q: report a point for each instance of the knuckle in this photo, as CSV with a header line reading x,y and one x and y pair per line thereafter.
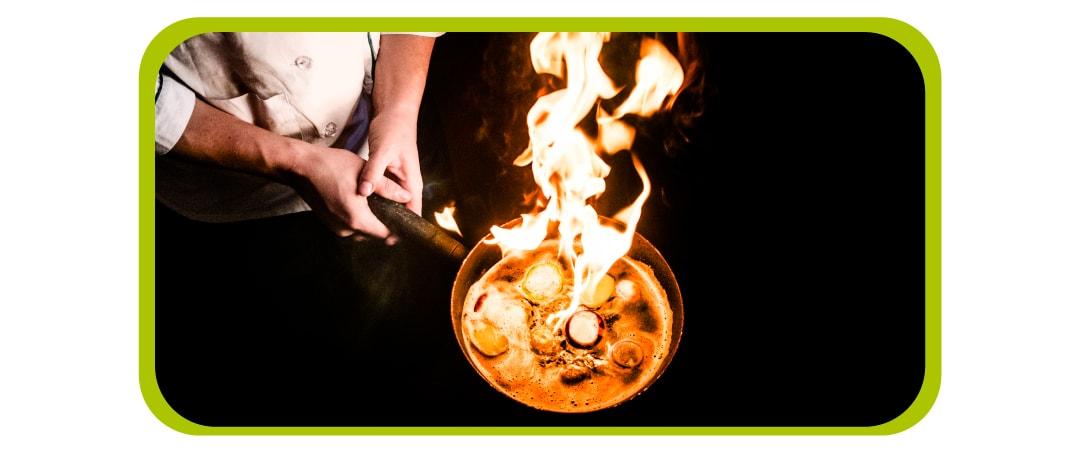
x,y
357,224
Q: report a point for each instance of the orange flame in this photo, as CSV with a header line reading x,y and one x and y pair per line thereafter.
x,y
566,162
445,219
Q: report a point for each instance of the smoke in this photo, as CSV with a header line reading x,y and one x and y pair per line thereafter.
x,y
673,126
507,89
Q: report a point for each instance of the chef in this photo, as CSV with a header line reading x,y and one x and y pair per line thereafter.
x,y
256,125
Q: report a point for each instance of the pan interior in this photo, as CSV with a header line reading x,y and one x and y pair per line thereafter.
x,y
484,256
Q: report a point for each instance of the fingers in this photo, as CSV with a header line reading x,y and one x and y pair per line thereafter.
x,y
415,184
361,219
360,238
329,187
409,177
372,174
366,225
333,222
392,190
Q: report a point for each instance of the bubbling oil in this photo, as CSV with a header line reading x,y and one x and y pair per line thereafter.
x,y
537,364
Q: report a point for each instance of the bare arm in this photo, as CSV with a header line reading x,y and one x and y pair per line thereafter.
x,y
218,138
400,75
325,177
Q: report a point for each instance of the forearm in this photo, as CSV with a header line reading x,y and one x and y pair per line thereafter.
x,y
218,138
400,74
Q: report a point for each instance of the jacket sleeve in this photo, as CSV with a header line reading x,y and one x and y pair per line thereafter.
x,y
173,105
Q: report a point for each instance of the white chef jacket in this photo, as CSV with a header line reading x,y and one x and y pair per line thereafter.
x,y
302,85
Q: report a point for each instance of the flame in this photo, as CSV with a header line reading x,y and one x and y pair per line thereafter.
x,y
567,164
445,219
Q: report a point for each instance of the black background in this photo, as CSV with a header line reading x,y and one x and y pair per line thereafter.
x,y
792,218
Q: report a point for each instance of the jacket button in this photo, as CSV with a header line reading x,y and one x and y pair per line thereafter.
x,y
302,62
330,130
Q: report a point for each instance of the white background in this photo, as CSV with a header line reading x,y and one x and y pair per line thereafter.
x,y
68,234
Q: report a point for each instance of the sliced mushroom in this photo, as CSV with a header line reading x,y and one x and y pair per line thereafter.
x,y
627,354
488,339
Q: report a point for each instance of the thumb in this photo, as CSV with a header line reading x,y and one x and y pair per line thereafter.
x,y
371,176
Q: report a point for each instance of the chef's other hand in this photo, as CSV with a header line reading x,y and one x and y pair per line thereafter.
x,y
325,177
392,143
327,180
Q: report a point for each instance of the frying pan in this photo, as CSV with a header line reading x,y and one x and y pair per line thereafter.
x,y
483,256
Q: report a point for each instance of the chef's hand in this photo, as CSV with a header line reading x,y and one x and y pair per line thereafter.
x,y
399,85
327,180
393,154
325,177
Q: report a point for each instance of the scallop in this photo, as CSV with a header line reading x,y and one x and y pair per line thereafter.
x,y
543,282
488,339
604,288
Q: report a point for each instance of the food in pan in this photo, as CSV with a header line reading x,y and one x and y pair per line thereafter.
x,y
525,336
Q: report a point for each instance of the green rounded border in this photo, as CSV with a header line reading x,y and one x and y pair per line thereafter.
x,y
906,35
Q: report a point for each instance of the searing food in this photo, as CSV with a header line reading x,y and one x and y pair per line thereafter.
x,y
523,341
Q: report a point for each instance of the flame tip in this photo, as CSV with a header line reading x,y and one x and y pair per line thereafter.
x,y
445,218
